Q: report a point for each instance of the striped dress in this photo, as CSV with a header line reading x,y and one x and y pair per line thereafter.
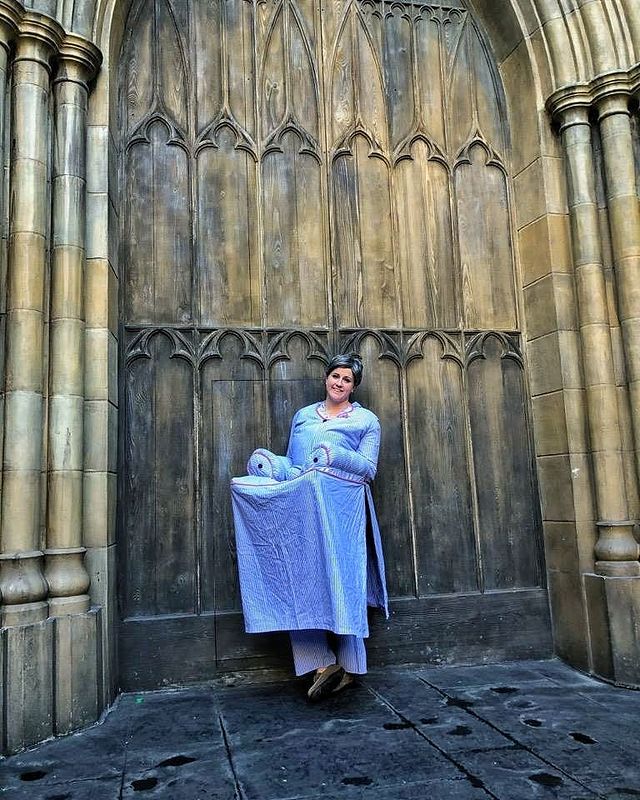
x,y
308,542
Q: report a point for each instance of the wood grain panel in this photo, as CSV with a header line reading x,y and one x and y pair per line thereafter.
x,y
461,107
371,12
158,240
293,248
232,424
368,85
303,75
240,49
333,17
381,392
307,14
508,509
485,242
159,483
365,286
341,79
274,77
464,629
136,88
399,75
136,545
425,242
294,382
440,485
467,629
430,69
489,97
207,59
227,266
171,76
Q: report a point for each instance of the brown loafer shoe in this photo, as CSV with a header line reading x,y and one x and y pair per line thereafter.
x,y
325,682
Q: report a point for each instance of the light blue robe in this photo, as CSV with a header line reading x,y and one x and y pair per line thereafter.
x,y
307,558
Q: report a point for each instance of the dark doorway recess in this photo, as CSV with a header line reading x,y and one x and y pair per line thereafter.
x,y
300,177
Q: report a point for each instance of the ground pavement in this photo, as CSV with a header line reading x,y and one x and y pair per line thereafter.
x,y
508,731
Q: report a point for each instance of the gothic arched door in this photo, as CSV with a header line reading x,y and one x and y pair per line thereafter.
x,y
300,177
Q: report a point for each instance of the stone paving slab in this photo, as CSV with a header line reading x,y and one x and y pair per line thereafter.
x,y
522,731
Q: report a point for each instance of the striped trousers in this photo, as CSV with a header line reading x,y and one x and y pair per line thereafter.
x,y
312,650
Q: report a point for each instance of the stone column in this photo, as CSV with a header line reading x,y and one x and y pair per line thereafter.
x,y
9,16
624,221
22,583
616,550
65,572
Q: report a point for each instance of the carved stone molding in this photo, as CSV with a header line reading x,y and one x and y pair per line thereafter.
x,y
10,14
620,83
78,59
17,22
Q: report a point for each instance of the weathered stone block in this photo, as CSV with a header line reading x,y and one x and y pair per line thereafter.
x,y
100,436
576,420
101,565
569,618
28,689
550,305
66,368
97,225
64,511
599,633
544,364
560,545
549,424
24,352
66,284
556,488
518,80
97,364
65,432
539,190
30,214
582,484
623,611
97,158
544,247
77,670
100,490
69,211
24,522
25,284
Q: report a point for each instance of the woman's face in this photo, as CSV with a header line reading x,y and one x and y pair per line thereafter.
x,y
339,384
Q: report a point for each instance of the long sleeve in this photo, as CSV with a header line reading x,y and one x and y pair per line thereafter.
x,y
290,445
362,462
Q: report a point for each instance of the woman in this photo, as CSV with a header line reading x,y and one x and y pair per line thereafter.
x,y
309,550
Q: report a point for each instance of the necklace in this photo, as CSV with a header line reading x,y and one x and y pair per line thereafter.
x,y
322,412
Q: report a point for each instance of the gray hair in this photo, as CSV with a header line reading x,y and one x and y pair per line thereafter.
x,y
350,361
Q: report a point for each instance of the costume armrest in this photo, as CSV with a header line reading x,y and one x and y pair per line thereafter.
x,y
329,455
266,464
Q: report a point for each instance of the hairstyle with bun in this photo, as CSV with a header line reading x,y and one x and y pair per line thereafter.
x,y
350,361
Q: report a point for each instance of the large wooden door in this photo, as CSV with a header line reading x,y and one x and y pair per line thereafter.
x,y
301,177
